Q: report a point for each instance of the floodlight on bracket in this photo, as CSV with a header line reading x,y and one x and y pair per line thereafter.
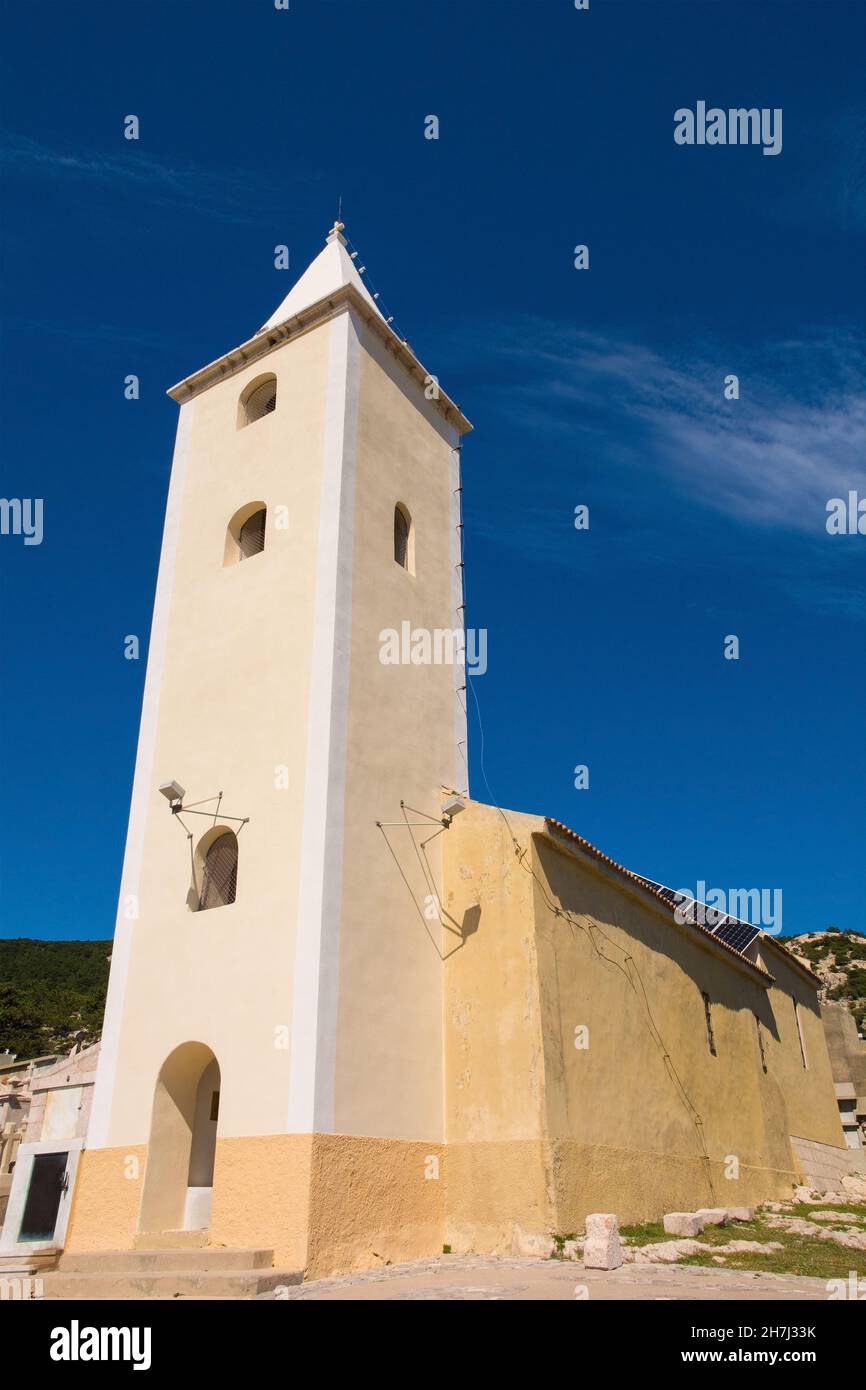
x,y
451,807
174,794
173,791
454,802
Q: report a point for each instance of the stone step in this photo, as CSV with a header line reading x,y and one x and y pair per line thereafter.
x,y
169,1240
213,1259
177,1283
29,1264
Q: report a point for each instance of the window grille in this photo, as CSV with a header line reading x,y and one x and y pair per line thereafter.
x,y
401,538
220,876
251,537
262,401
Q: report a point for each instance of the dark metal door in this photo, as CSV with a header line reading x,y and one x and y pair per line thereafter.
x,y
47,1185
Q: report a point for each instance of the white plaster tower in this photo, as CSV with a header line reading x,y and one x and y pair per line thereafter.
x,y
273,1034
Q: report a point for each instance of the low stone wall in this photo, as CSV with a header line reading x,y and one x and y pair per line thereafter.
x,y
824,1166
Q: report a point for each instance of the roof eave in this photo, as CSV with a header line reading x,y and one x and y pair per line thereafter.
x,y
268,339
569,840
791,959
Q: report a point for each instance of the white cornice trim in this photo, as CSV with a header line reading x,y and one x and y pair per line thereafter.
x,y
265,342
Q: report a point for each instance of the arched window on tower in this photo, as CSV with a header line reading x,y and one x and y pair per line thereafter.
x,y
403,539
245,534
219,872
257,400
251,537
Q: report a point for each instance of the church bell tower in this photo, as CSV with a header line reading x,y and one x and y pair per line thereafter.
x,y
271,1064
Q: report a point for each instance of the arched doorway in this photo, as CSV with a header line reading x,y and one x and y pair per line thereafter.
x,y
178,1177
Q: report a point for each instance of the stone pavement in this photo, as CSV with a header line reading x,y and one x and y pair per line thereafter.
x,y
480,1277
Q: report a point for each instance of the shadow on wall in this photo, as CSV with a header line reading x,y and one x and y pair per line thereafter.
x,y
685,1041
471,921
590,896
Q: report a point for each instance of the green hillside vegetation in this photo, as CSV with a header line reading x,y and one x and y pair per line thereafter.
x,y
51,993
835,950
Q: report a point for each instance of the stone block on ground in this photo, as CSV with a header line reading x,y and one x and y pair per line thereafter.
x,y
665,1252
751,1247
602,1248
713,1216
839,1217
572,1249
741,1213
852,1237
682,1223
855,1187
531,1245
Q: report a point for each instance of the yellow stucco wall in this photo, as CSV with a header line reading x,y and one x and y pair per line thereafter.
x,y
643,1119
810,1098
262,1195
326,1203
493,1186
496,1171
106,1199
372,1202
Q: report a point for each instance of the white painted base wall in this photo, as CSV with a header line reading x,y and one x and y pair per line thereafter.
x,y
197,1208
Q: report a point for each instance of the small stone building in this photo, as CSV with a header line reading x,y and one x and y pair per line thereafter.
x,y
51,1097
16,1079
848,1061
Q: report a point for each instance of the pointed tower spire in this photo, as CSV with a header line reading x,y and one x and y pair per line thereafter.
x,y
330,271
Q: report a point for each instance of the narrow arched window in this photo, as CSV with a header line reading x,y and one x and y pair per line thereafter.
x,y
219,881
402,528
799,1031
259,399
251,537
245,533
708,1019
761,1047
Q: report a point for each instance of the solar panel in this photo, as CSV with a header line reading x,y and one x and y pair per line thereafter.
x,y
670,896
689,910
667,893
736,934
731,930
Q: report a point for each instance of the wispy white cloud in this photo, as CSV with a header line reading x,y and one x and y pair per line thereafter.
x,y
795,437
232,195
96,334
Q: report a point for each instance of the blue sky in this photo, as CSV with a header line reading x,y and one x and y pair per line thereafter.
x,y
599,387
